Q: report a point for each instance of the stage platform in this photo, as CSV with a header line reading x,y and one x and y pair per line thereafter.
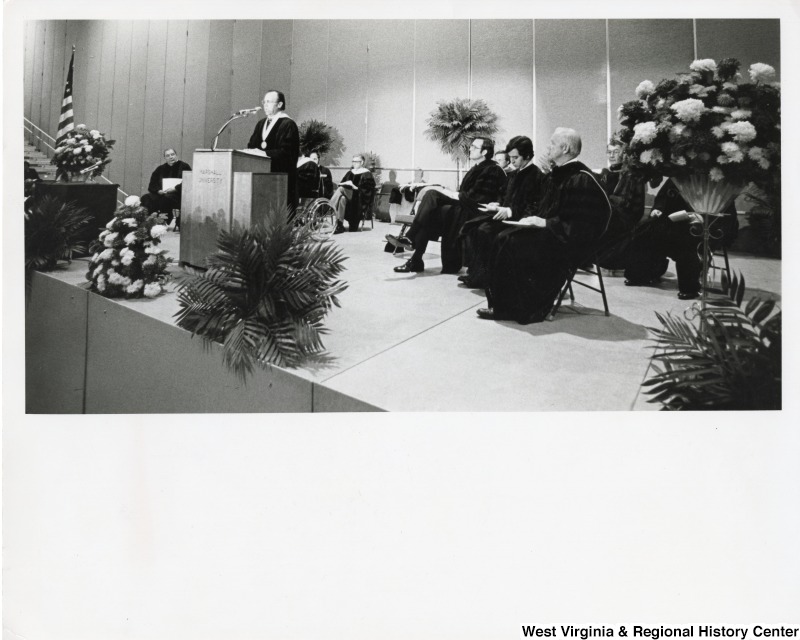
x,y
399,342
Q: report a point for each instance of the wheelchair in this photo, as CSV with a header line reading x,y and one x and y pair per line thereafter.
x,y
312,209
319,215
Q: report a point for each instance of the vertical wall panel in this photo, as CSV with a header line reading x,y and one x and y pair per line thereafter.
x,y
246,77
502,73
571,83
90,72
348,79
391,93
218,81
442,73
153,99
748,41
105,102
276,60
38,67
174,78
194,103
59,76
50,38
134,127
31,27
310,70
645,50
119,103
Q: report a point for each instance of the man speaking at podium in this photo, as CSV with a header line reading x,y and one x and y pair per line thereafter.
x,y
277,136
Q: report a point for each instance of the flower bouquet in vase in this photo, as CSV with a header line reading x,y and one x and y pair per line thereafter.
x,y
82,155
710,133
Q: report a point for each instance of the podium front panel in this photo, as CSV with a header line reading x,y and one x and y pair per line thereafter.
x,y
257,197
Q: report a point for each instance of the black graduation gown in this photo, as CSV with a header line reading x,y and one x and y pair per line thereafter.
x,y
527,266
522,196
366,188
283,147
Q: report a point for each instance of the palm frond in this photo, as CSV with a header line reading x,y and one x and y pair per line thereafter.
x,y
264,295
730,361
455,123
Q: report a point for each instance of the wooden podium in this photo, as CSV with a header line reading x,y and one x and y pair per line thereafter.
x,y
226,189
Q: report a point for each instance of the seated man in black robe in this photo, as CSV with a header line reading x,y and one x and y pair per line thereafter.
x,y
442,212
308,178
157,197
626,192
528,266
354,192
520,201
667,238
325,177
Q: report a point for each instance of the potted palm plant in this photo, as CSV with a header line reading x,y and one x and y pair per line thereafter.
x,y
455,123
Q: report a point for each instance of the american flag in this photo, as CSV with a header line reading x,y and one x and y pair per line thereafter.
x,y
65,121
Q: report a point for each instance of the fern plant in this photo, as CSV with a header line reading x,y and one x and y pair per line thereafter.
x,y
318,136
455,123
53,233
732,360
264,295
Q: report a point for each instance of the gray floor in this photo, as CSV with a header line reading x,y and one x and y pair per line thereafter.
x,y
413,342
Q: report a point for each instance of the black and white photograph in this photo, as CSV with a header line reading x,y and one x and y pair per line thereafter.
x,y
409,321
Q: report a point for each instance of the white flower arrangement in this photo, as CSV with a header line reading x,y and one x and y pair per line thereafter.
x,y
83,149
705,124
127,261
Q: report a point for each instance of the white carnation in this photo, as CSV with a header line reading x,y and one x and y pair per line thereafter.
x,y
152,290
644,89
151,260
741,114
742,131
101,283
97,271
107,254
718,132
716,174
132,201
760,72
127,256
110,223
158,230
95,258
103,235
130,222
644,132
706,64
756,153
130,238
689,110
109,239
153,250
732,151
764,163
135,286
652,156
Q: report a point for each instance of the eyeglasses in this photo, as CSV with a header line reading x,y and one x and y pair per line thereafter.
x,y
357,160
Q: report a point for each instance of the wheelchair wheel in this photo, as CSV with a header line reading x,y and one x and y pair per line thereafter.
x,y
321,218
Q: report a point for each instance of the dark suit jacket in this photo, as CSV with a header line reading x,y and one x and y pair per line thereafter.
x,y
283,147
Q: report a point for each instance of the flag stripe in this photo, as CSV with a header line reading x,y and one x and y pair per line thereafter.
x,y
65,120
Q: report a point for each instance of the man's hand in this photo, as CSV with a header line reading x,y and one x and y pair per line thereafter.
x,y
534,221
490,207
656,213
503,213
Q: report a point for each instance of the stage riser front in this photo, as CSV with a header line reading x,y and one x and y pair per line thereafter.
x,y
89,354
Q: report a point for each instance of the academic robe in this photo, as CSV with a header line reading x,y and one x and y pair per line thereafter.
x,y
308,179
282,146
326,182
482,184
354,210
626,192
528,266
522,197
155,201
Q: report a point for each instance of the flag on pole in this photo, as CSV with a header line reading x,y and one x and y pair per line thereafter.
x,y
65,121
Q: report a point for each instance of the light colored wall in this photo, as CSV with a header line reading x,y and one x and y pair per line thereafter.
x,y
153,84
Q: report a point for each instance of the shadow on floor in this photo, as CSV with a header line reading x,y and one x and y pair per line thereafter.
x,y
587,323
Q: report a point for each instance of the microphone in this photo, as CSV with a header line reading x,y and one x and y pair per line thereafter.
x,y
247,112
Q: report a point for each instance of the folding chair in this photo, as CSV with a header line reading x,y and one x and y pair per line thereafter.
x,y
590,268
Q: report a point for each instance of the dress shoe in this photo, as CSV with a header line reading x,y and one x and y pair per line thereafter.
x,y
688,296
464,278
409,266
339,228
399,242
486,314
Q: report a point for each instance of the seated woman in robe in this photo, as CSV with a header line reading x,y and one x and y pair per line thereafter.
x,y
355,189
